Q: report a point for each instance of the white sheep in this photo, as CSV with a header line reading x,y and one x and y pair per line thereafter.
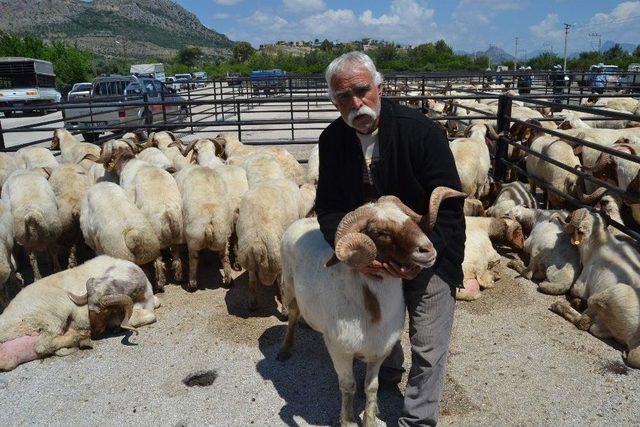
x,y
72,150
472,161
7,262
313,165
35,157
357,316
43,320
8,164
510,195
609,282
155,157
111,224
170,146
70,183
34,209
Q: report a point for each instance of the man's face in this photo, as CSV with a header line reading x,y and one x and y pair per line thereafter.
x,y
357,98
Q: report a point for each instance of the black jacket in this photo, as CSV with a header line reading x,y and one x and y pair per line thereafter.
x,y
414,159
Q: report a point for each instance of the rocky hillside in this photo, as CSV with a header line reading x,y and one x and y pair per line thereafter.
x,y
137,29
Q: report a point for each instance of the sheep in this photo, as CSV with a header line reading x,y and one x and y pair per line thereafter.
x,y
8,164
43,319
169,144
480,256
34,210
35,157
258,234
553,260
155,157
313,165
510,195
357,316
555,176
207,217
7,263
69,183
472,160
235,152
111,224
156,194
72,150
609,282
473,207
574,120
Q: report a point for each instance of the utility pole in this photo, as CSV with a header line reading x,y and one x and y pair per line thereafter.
x,y
566,36
515,57
599,36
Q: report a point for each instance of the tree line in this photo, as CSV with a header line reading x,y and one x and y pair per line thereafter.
x,y
73,64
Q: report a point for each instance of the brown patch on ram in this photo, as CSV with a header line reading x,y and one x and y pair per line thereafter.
x,y
371,304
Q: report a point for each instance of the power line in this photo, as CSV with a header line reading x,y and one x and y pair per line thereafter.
x,y
515,57
599,36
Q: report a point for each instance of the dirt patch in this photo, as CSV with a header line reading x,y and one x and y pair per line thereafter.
x,y
455,400
507,294
200,378
617,368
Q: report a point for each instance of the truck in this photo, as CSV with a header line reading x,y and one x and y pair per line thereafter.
x,y
631,79
123,100
148,70
268,81
25,82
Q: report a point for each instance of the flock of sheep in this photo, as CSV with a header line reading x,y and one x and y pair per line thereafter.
x,y
137,204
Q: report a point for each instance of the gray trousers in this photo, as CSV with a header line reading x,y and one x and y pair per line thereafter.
x,y
430,302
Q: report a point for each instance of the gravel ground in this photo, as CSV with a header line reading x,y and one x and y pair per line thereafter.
x,y
511,362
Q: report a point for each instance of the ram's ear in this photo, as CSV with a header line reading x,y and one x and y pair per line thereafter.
x,y
332,261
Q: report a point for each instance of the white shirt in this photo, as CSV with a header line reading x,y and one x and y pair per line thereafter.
x,y
371,151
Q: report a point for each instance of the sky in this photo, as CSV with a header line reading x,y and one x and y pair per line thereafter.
x,y
467,25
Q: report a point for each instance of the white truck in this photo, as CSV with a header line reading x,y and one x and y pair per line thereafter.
x,y
26,82
148,70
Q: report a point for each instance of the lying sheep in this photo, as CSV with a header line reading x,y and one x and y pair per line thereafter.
x,y
236,153
34,209
208,217
357,316
111,224
35,157
43,320
611,289
72,150
553,260
510,195
70,183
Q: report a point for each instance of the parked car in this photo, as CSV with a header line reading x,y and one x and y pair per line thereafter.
x,y
26,82
233,79
184,81
170,82
79,91
200,78
125,97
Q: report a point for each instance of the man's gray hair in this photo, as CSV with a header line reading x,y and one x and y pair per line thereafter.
x,y
348,62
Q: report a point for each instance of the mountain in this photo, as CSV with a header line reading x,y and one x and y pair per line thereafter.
x,y
135,29
495,53
627,47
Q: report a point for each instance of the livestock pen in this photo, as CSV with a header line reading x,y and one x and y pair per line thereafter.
x,y
506,341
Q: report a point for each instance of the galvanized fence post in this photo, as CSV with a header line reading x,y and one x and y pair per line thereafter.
x,y
504,119
291,108
237,104
215,100
2,147
190,109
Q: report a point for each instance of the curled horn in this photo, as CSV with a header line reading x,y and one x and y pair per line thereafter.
x,y
492,132
106,153
351,246
151,142
89,156
188,148
135,148
437,196
124,301
79,299
603,161
588,199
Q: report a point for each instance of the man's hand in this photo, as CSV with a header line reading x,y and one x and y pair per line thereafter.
x,y
376,270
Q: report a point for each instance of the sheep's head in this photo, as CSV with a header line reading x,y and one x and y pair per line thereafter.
x,y
113,149
579,224
388,230
514,235
55,141
107,298
522,132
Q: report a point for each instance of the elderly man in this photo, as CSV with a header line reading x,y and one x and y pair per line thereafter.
x,y
377,148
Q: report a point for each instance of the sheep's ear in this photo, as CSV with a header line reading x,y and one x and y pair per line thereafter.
x,y
332,261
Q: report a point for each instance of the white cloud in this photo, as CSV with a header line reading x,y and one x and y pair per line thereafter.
x,y
227,2
622,12
330,23
549,28
304,6
367,19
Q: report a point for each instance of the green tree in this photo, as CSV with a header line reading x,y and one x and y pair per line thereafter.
x,y
242,51
189,56
615,52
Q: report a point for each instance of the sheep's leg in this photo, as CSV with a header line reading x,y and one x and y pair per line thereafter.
x,y
294,315
33,260
518,266
227,280
253,291
371,391
343,364
553,288
564,309
176,263
49,343
53,253
233,258
193,270
486,280
72,260
161,278
633,357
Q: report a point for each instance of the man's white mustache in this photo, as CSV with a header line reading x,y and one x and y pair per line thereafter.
x,y
363,110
